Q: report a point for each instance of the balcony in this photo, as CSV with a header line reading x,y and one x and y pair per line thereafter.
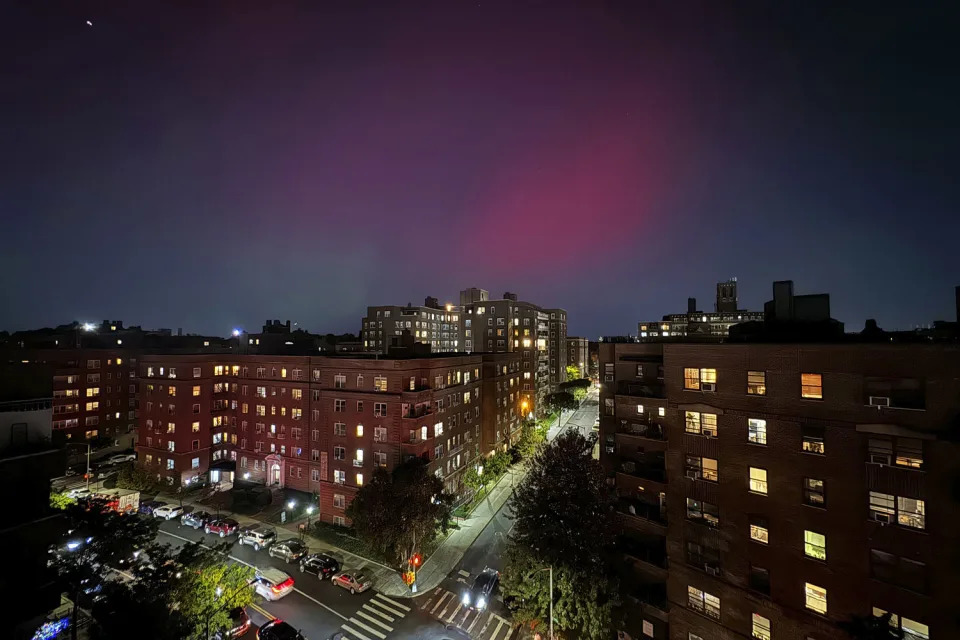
x,y
642,429
644,516
641,389
650,467
649,552
417,412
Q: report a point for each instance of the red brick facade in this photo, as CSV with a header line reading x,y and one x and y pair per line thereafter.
x,y
817,458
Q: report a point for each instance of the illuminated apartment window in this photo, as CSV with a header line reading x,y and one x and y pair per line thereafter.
x,y
195,427
761,627
359,479
95,391
911,513
758,480
172,391
815,545
359,430
759,529
196,391
814,492
756,383
639,408
283,372
811,386
813,440
911,629
757,431
380,383
815,598
692,421
703,602
691,379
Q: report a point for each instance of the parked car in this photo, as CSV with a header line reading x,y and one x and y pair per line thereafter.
x,y
168,511
240,621
147,506
222,527
356,582
195,519
479,596
319,564
258,536
119,459
290,550
272,583
79,493
278,630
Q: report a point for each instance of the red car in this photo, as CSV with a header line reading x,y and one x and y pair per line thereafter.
x,y
222,527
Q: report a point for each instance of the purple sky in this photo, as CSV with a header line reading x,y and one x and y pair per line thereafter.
x,y
211,168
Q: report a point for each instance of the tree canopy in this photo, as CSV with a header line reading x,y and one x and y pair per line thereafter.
x,y
561,401
573,372
562,520
398,513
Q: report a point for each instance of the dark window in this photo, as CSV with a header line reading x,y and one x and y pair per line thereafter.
x,y
704,512
903,393
902,572
703,557
760,579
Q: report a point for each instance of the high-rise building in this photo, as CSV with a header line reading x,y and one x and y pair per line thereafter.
x,y
434,324
697,323
785,481
557,347
578,355
323,424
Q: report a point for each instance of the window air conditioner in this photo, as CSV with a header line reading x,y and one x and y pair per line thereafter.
x,y
879,401
708,386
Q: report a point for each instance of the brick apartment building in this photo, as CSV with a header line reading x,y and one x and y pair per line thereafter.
x,y
322,424
578,355
772,490
557,348
433,324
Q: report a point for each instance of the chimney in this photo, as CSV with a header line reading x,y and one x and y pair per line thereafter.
x,y
691,305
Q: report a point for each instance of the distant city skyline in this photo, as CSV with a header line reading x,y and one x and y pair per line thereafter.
x,y
609,158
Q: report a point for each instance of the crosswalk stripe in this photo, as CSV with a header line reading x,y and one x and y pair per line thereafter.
x,y
393,602
375,632
426,604
465,574
455,612
440,601
374,620
497,632
384,606
446,607
379,613
355,632
473,624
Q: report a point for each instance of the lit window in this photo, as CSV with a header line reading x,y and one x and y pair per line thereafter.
x,y
757,431
703,602
910,513
814,493
813,438
761,627
196,391
359,456
704,423
815,598
380,383
639,408
882,507
359,430
756,383
909,453
691,379
283,372
758,480
661,411
359,479
759,529
195,463
811,386
708,376
815,545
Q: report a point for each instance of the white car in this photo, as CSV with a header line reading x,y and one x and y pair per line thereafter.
x,y
119,458
272,583
168,511
81,492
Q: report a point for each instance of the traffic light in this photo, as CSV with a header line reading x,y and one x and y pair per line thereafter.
x,y
416,559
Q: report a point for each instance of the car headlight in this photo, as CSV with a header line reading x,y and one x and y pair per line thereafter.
x,y
466,599
481,602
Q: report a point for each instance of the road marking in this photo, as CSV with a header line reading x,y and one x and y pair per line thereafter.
x,y
308,597
446,607
375,632
355,632
393,602
426,604
497,632
266,614
440,601
374,620
473,624
379,613
465,574
387,608
461,581
455,612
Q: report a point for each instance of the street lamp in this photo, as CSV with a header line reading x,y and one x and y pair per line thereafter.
x,y
291,504
550,569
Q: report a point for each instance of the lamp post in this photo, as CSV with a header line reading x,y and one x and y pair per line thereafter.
x,y
550,569
86,474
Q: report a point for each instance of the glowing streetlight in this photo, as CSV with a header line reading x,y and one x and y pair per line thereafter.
x,y
246,476
236,333
291,504
89,326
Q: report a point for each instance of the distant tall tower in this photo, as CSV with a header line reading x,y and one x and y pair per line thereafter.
x,y
727,296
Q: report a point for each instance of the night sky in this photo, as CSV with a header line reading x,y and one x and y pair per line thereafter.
x,y
208,168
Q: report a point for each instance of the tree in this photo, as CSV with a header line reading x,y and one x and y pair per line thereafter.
x,y
564,488
573,372
562,400
531,437
61,500
870,627
94,539
472,479
496,465
401,512
136,477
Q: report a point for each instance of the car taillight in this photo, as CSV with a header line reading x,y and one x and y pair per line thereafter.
x,y
286,584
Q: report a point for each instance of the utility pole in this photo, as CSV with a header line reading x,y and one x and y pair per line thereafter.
x,y
551,602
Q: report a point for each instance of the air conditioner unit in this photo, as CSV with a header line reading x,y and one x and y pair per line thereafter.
x,y
608,378
882,518
708,386
879,401
714,571
693,475
880,458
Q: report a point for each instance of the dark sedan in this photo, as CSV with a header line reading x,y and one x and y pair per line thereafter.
x,y
278,630
482,592
289,550
196,519
320,564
